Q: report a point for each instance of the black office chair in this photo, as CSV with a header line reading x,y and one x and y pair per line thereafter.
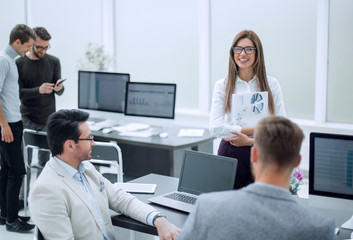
x,y
107,154
34,140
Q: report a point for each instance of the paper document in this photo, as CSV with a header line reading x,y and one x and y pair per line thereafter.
x,y
249,108
191,132
137,187
348,224
103,124
142,134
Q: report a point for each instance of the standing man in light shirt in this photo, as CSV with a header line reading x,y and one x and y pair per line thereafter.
x,y
71,199
12,164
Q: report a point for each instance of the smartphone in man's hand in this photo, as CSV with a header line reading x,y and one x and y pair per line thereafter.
x,y
60,82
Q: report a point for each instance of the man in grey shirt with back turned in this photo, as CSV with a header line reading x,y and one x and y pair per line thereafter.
x,y
12,164
264,209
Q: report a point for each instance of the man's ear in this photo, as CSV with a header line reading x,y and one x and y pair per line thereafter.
x,y
17,42
299,161
253,154
68,146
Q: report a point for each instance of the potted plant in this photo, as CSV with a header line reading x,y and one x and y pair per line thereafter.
x,y
295,181
95,58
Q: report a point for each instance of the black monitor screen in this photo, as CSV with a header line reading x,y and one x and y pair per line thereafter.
x,y
203,172
150,100
331,165
104,91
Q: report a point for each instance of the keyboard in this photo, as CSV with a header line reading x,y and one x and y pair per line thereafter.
x,y
103,124
182,198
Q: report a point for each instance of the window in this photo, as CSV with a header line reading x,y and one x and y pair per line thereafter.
x,y
340,52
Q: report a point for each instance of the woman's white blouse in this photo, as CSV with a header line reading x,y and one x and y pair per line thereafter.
x,y
220,123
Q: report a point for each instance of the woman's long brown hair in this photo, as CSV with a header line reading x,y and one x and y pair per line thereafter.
x,y
259,70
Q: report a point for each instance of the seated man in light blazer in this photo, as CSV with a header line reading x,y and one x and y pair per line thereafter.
x,y
264,209
71,200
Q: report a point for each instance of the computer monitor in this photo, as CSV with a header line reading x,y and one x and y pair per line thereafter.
x,y
103,91
150,99
331,172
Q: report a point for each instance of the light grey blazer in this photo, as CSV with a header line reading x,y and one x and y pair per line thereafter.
x,y
61,209
259,211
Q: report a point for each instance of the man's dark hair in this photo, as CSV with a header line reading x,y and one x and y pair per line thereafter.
x,y
63,125
22,32
42,33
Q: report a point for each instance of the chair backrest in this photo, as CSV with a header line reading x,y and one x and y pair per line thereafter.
x,y
37,234
108,153
35,140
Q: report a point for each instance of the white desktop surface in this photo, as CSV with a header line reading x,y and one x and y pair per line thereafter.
x,y
340,216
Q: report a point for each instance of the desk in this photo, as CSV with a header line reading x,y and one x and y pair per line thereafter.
x,y
166,184
164,156
338,216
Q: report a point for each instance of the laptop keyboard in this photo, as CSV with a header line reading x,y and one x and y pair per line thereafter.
x,y
182,198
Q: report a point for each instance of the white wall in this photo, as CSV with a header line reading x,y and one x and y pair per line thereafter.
x,y
157,41
72,24
12,13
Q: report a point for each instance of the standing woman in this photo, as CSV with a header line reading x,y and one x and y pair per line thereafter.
x,y
246,74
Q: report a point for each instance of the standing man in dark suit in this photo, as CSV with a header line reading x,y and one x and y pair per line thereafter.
x,y
264,209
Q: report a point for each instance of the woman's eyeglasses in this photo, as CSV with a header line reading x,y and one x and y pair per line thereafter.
x,y
248,50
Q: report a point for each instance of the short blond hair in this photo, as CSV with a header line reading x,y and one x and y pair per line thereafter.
x,y
278,140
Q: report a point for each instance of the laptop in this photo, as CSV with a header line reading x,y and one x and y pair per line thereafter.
x,y
200,173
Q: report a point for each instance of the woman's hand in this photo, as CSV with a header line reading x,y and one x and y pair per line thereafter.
x,y
239,139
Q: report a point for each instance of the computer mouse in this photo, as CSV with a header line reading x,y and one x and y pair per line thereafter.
x,y
163,134
107,130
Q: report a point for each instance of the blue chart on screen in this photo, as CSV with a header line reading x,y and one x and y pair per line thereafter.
x,y
138,101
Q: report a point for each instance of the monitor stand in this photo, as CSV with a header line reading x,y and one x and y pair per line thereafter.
x,y
348,224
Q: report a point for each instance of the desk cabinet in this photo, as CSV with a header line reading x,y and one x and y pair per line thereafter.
x,y
164,156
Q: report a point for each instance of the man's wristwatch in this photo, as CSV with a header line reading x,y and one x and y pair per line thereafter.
x,y
157,216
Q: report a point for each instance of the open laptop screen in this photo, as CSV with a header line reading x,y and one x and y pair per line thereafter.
x,y
202,173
